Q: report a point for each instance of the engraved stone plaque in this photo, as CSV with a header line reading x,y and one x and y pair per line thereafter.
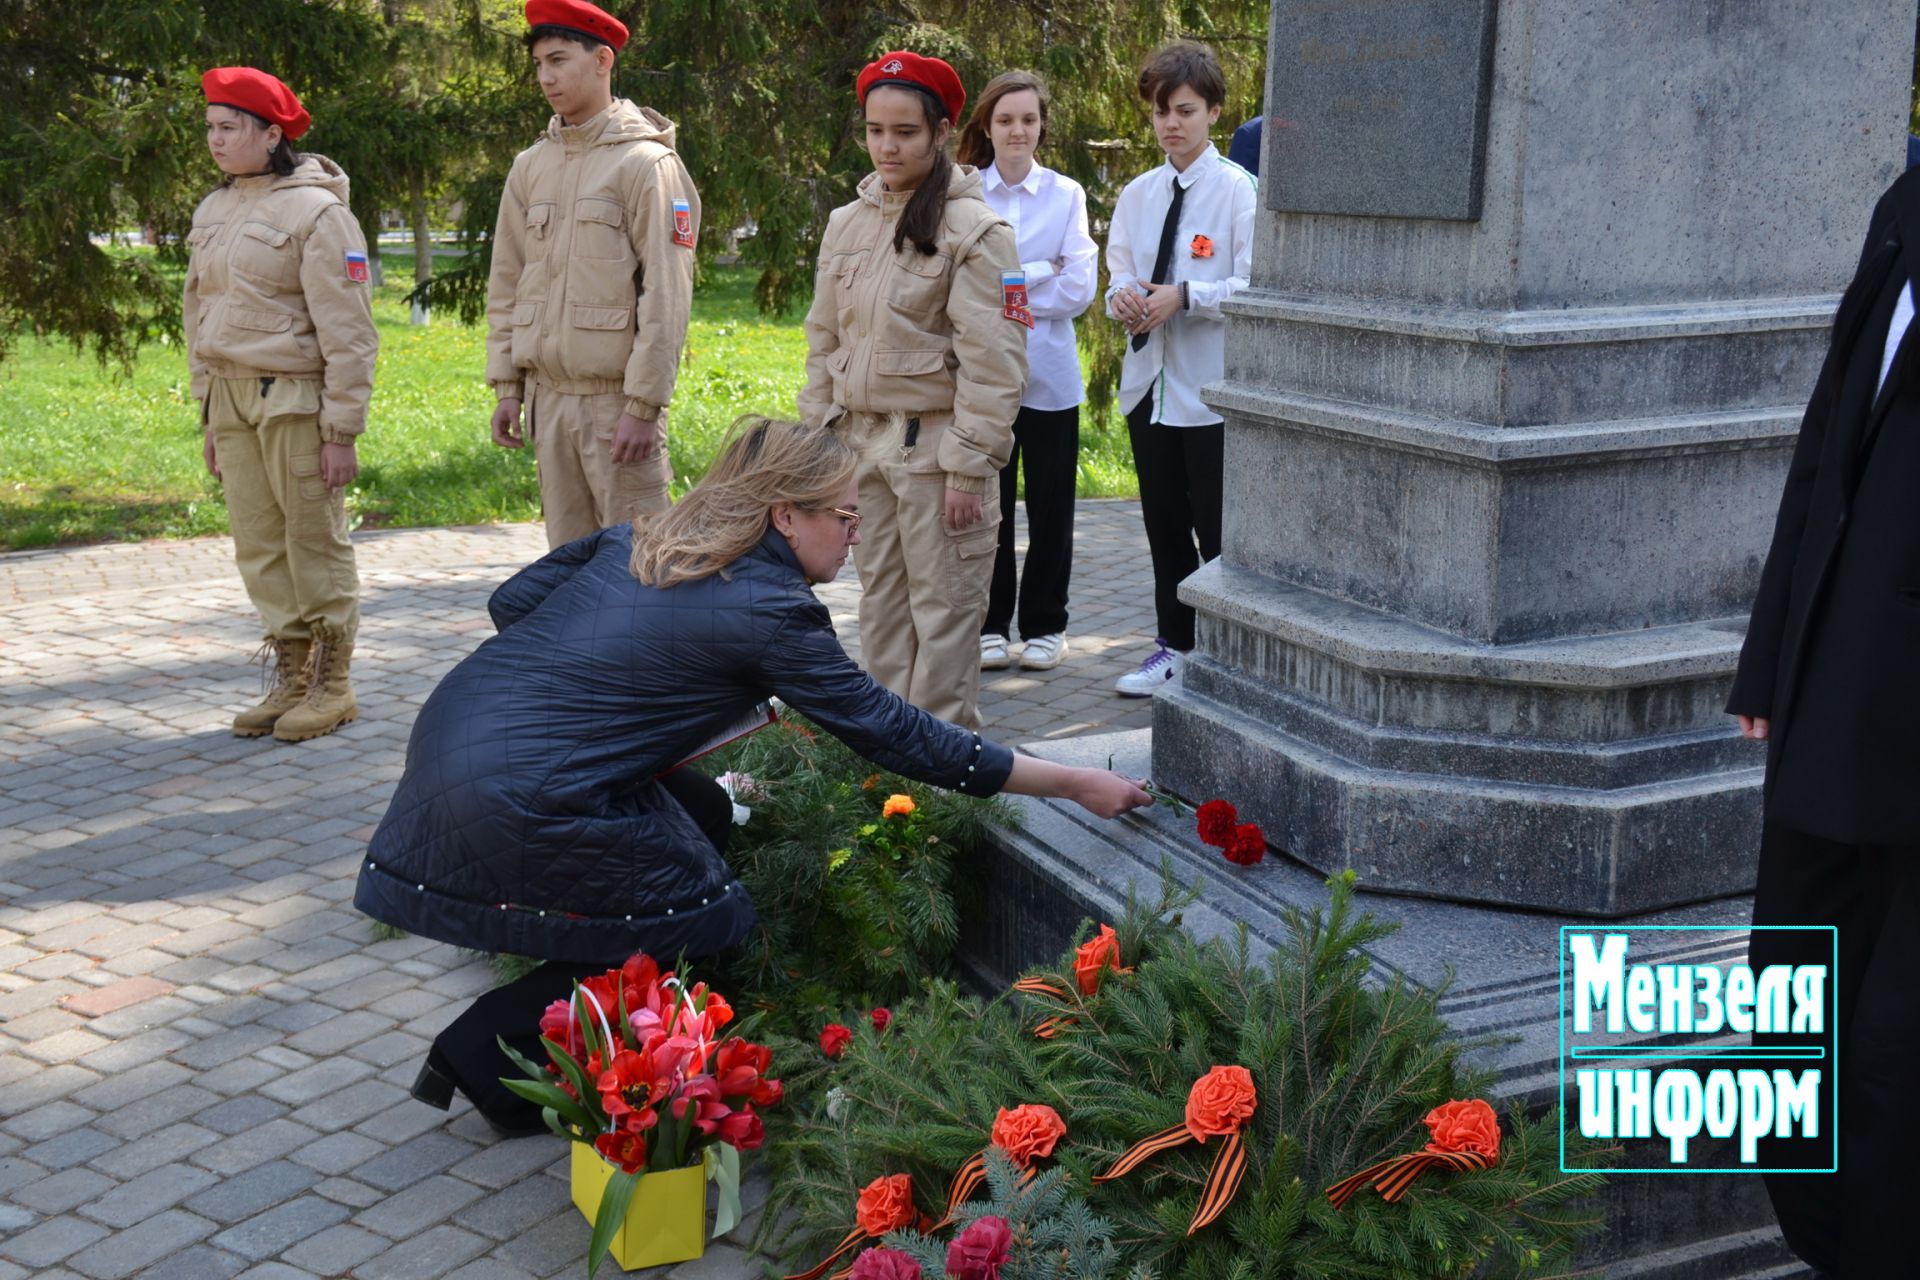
x,y
1378,107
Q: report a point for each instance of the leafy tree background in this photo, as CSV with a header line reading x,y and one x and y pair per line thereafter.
x,y
425,102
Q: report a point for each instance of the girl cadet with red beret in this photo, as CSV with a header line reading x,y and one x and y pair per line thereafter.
x,y
280,343
917,348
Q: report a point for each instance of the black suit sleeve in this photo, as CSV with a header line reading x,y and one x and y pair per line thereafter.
x,y
524,592
804,664
1756,678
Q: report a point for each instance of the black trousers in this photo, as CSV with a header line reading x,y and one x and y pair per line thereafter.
x,y
1853,1223
467,1051
1046,442
1181,472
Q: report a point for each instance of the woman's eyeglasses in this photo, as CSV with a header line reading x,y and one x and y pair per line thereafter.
x,y
849,518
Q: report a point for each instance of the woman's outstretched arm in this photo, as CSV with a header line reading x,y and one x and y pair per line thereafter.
x,y
1099,791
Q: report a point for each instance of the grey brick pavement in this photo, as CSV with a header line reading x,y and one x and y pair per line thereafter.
x,y
204,1053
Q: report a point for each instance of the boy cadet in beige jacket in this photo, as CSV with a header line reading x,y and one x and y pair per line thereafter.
x,y
592,283
280,344
917,342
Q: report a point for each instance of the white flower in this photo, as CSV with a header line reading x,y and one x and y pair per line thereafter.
x,y
738,786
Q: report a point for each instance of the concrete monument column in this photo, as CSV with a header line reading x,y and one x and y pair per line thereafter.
x,y
1540,290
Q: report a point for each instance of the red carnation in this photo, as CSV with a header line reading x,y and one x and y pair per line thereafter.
x,y
1216,819
834,1039
1245,846
885,1264
882,1018
981,1250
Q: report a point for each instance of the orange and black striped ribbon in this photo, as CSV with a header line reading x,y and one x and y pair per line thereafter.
x,y
1229,1167
1049,1027
1223,1180
1165,1140
1392,1177
853,1238
965,1183
1041,987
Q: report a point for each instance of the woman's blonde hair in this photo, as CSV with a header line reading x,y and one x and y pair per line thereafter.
x,y
976,144
764,461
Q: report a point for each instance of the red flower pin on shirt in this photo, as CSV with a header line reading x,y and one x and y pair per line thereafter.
x,y
1202,247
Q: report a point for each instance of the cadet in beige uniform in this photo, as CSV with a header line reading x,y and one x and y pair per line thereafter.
x,y
592,283
281,344
917,342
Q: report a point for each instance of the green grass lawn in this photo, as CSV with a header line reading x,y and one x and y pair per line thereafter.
x,y
92,455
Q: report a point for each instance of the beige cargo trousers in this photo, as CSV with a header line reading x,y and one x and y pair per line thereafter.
x,y
582,490
289,528
923,586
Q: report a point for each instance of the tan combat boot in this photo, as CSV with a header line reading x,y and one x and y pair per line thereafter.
x,y
286,682
329,700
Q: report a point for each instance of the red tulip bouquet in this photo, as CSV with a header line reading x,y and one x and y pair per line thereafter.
x,y
656,1102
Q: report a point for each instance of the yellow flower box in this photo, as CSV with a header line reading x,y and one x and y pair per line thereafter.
x,y
667,1221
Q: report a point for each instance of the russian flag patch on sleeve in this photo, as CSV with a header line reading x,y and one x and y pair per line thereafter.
x,y
683,224
357,266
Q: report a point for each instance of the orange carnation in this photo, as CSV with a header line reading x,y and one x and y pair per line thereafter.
x,y
886,1204
1028,1132
897,807
1465,1126
1220,1102
1095,956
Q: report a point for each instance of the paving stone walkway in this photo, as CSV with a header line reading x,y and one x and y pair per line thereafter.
x,y
204,1054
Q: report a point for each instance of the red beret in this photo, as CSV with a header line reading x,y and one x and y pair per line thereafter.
x,y
931,74
578,15
259,93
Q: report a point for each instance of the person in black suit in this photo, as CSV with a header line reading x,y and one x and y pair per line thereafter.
x,y
1829,677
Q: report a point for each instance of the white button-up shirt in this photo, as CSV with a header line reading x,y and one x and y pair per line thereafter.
x,y
1212,253
1896,330
1048,213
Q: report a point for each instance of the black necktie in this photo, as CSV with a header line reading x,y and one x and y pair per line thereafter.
x,y
1163,260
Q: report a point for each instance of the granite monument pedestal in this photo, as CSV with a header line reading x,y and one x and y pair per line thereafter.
x,y
1506,429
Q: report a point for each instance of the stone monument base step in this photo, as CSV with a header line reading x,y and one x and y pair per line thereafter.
x,y
1059,866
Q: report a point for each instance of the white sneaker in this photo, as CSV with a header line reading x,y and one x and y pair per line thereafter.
x,y
1043,653
1161,667
993,653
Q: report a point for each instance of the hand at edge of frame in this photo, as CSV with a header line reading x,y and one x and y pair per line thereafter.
x,y
506,424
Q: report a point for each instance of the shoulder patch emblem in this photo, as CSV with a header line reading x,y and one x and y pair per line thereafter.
x,y
683,224
1013,297
357,266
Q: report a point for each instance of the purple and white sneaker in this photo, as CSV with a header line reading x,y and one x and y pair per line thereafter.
x,y
1162,666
